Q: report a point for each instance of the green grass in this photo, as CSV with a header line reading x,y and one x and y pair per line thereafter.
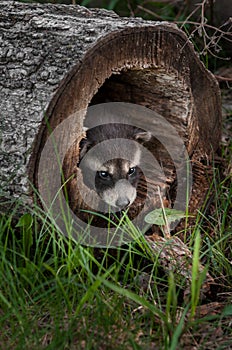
x,y
57,294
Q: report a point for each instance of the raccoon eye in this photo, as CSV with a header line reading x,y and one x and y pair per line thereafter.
x,y
131,171
104,175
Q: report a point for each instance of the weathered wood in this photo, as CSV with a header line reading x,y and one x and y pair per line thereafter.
x,y
174,256
56,60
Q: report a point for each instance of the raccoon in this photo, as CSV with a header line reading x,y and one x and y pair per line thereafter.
x,y
115,179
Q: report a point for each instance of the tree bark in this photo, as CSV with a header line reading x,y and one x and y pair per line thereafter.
x,y
57,60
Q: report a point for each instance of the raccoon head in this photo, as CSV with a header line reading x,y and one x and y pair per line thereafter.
x,y
116,179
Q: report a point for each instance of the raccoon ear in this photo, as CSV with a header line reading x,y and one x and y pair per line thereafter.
x,y
142,136
84,147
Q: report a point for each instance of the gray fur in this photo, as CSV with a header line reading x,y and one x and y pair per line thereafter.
x,y
114,178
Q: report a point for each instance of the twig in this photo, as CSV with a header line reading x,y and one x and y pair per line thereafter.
x,y
220,78
208,26
149,12
211,41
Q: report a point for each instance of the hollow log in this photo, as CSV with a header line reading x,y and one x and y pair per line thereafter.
x,y
57,60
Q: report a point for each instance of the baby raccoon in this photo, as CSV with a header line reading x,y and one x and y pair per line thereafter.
x,y
110,159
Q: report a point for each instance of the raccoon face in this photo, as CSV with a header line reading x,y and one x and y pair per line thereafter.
x,y
116,179
116,182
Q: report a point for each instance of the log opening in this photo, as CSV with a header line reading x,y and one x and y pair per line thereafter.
x,y
144,67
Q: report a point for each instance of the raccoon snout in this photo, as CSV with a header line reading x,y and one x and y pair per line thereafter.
x,y
121,195
122,202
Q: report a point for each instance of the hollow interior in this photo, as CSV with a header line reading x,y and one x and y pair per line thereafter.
x,y
155,88
161,92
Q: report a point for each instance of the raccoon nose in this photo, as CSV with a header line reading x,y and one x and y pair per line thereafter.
x,y
122,202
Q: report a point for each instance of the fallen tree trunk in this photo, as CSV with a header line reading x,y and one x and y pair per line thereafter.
x,y
57,60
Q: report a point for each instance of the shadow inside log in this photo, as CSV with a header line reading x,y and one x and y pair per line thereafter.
x,y
146,88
